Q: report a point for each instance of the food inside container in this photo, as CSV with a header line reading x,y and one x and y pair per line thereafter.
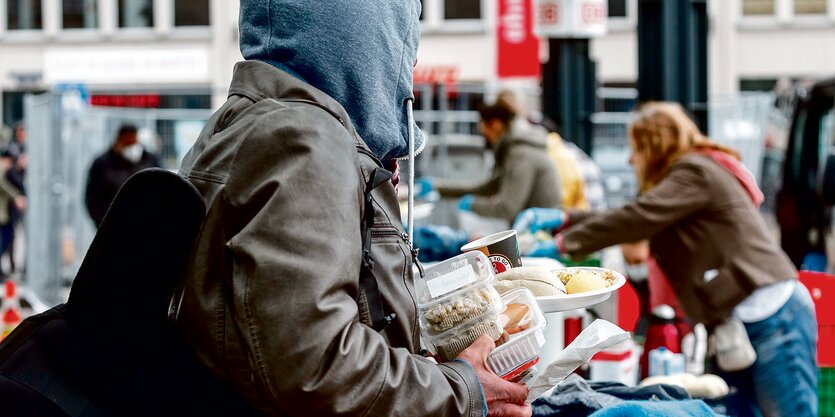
x,y
450,343
457,303
579,280
523,322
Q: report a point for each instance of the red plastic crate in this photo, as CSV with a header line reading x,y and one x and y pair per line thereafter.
x,y
822,288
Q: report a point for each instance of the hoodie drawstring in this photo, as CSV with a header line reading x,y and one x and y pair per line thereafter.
x,y
410,222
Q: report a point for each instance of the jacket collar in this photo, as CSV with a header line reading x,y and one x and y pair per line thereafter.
x,y
258,80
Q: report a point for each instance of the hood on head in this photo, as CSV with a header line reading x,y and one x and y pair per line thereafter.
x,y
522,131
361,53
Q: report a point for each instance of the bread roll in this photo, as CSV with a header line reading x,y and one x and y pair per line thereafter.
x,y
540,281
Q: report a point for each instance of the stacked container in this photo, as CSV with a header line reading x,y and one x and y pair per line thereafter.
x,y
457,303
516,358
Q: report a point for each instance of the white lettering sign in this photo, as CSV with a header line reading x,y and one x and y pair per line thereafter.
x,y
126,65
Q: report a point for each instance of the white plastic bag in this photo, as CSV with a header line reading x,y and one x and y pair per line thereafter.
x,y
732,346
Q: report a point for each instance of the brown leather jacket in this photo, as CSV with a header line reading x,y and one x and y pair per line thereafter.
x,y
704,231
270,302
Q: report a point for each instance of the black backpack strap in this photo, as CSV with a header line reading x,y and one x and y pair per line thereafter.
x,y
368,282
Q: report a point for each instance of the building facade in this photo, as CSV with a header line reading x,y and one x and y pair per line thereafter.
x,y
180,53
124,53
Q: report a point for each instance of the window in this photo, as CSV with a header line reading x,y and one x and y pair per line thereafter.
x,y
136,13
617,8
24,14
191,13
462,9
810,6
78,14
758,7
752,84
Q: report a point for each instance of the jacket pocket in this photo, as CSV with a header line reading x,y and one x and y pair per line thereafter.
x,y
720,292
392,270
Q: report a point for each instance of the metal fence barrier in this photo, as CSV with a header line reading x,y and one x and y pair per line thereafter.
x,y
64,137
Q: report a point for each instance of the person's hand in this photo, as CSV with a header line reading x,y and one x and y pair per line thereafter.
x,y
20,202
22,162
423,187
543,249
466,202
437,243
504,398
535,219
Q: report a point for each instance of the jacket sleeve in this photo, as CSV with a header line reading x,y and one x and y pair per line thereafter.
x,y
296,194
515,185
454,189
6,186
682,192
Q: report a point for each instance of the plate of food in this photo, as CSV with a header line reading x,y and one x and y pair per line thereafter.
x,y
563,289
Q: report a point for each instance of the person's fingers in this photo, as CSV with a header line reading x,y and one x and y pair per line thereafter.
x,y
516,393
509,410
477,352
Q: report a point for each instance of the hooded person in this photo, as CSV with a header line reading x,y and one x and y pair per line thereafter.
x,y
523,176
300,291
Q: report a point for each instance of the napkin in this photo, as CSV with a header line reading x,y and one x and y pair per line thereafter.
x,y
600,335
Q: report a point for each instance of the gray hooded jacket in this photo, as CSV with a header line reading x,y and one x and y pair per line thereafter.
x,y
524,176
272,299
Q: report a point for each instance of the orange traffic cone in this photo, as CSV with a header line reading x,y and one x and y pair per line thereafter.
x,y
10,312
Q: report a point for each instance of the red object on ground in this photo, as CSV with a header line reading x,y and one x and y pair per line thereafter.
x,y
628,307
572,326
612,356
661,332
11,310
822,288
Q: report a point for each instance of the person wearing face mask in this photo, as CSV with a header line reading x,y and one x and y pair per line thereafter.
x,y
300,291
110,170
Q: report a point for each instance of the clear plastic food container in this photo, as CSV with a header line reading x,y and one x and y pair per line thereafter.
x,y
457,303
521,352
455,292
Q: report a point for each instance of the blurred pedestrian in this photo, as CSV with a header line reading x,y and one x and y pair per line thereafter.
x,y
16,176
523,175
11,197
110,170
580,183
698,207
300,291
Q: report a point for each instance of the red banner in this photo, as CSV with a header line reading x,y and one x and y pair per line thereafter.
x,y
517,46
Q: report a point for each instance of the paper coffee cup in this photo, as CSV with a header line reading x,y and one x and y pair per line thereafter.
x,y
501,248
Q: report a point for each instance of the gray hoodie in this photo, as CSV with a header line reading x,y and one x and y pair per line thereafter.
x,y
361,53
524,176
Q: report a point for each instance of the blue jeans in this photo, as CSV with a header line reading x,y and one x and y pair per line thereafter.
x,y
783,380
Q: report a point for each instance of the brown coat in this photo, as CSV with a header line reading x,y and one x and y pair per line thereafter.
x,y
272,299
704,231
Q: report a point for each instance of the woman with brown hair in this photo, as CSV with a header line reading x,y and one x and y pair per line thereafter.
x,y
698,208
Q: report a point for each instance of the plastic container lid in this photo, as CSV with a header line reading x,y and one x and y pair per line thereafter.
x,y
524,347
453,276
